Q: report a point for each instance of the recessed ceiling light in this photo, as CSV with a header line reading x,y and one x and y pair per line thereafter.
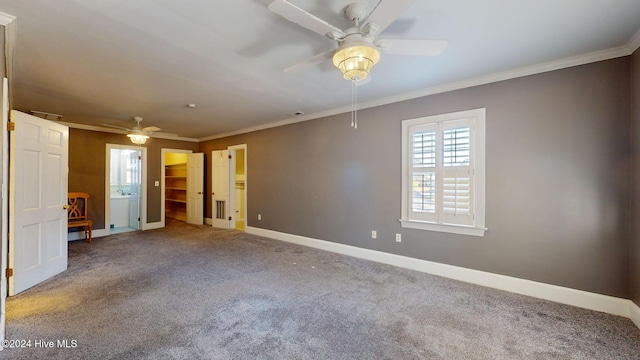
x,y
295,113
191,106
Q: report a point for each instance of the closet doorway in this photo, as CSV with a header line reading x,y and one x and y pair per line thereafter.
x,y
182,186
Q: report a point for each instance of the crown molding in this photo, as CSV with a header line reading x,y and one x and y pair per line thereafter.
x,y
634,43
629,48
10,40
6,19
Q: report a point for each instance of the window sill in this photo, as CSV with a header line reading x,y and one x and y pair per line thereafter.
x,y
454,229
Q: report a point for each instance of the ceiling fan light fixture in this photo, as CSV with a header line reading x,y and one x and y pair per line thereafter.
x,y
356,60
137,138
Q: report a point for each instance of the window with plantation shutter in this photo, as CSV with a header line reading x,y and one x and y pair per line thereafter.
x,y
443,173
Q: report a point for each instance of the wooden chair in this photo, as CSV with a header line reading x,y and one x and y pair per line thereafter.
x,y
77,213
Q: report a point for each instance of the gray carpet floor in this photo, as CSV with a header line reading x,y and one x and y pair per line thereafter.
x,y
193,292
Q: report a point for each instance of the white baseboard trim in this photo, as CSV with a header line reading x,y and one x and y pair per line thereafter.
x,y
79,235
634,313
208,221
584,299
154,225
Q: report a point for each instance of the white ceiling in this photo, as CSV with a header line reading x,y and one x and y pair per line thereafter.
x,y
106,61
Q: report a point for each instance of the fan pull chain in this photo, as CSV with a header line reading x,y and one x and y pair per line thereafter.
x,y
354,107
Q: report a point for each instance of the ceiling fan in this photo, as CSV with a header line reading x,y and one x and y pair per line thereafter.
x,y
358,47
137,134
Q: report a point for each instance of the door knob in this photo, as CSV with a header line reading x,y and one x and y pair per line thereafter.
x,y
66,207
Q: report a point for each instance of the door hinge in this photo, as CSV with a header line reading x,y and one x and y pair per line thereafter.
x,y
9,272
138,219
230,218
229,156
11,126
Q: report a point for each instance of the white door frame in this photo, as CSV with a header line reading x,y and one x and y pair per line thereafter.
x,y
134,218
232,184
107,185
8,21
4,227
163,153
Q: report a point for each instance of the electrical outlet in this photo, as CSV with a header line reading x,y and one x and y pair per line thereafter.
x,y
374,234
259,216
398,238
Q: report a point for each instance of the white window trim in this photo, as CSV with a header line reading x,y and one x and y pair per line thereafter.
x,y
478,229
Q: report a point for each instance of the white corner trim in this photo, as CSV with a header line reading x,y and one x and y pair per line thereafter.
x,y
208,221
584,299
634,313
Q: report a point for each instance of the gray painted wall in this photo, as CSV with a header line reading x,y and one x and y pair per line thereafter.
x,y
634,249
557,180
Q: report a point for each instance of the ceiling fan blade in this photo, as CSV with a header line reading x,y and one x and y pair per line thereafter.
x,y
303,18
163,135
412,47
317,59
151,129
116,127
387,12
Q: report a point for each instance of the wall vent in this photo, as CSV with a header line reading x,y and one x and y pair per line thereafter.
x,y
220,209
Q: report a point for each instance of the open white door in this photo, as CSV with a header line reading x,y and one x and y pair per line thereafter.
x,y
195,188
38,200
136,189
220,189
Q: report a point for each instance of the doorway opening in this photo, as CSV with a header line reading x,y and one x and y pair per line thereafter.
x,y
125,189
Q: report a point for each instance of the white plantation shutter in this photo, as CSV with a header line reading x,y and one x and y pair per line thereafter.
x,y
443,172
423,173
457,206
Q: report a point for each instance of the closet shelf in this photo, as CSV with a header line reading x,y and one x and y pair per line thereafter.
x,y
176,200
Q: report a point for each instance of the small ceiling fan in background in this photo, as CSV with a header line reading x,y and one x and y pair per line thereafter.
x,y
358,47
137,134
